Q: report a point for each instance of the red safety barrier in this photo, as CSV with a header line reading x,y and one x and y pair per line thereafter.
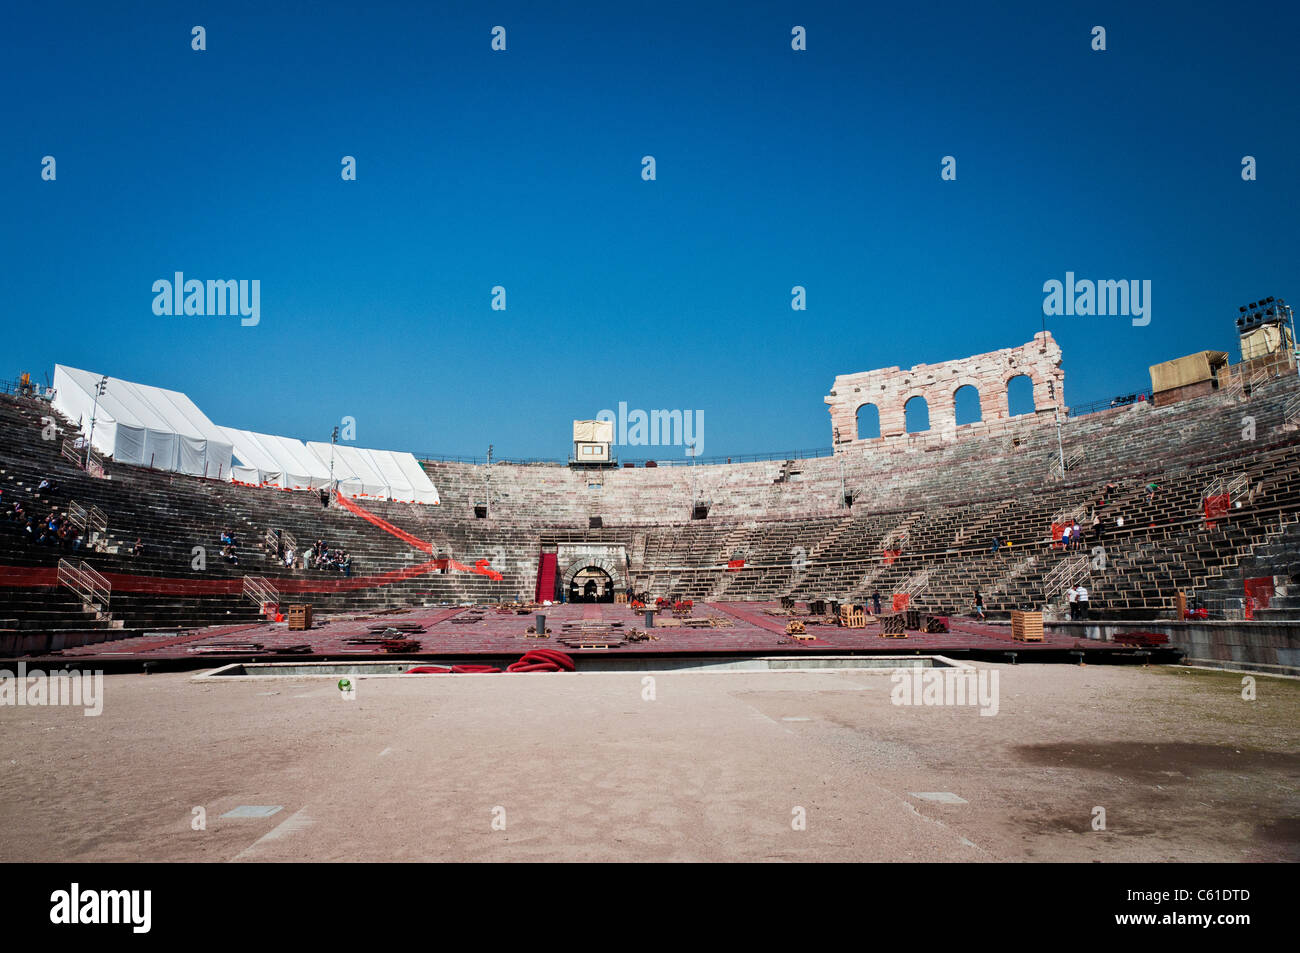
x,y
1215,508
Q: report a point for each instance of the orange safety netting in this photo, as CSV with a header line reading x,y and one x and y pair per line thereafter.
x,y
482,567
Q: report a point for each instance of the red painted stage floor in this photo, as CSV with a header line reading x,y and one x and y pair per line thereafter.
x,y
751,630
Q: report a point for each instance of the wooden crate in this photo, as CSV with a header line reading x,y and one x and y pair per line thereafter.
x,y
620,598
1026,626
299,618
853,617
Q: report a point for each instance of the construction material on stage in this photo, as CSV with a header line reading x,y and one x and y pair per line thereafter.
x,y
912,619
892,625
935,624
797,630
300,618
407,627
593,642
389,640
1026,626
853,617
248,648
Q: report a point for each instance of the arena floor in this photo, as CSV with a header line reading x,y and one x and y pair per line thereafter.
x,y
716,767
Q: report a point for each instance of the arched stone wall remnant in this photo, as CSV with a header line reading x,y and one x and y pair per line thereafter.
x,y
890,389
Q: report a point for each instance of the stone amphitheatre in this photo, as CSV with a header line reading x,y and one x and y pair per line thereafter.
x,y
666,660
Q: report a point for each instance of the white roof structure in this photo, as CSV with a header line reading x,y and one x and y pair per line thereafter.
x,y
377,474
143,425
148,426
276,461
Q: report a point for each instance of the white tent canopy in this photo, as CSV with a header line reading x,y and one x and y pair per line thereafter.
x,y
143,425
377,474
278,461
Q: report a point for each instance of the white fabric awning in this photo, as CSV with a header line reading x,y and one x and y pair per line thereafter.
x,y
278,461
377,474
143,425
149,426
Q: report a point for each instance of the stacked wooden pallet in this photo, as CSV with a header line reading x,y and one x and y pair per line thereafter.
x,y
1026,626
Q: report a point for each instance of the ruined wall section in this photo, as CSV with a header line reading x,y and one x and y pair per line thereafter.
x,y
890,389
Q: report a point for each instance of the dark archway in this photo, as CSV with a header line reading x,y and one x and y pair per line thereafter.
x,y
591,584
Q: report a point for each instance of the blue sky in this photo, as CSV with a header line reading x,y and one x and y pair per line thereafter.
x,y
775,168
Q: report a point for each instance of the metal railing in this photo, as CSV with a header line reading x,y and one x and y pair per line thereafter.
x,y
1234,487
91,520
72,452
916,584
1291,409
1072,460
92,587
260,591
1065,575
1137,397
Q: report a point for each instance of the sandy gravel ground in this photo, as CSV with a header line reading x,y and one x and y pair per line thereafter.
x,y
715,767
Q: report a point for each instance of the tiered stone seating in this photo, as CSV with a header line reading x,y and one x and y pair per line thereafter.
x,y
936,502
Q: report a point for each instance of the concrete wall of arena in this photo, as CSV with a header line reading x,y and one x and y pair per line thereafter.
x,y
1272,647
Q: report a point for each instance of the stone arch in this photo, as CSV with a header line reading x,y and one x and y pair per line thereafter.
x,y
909,401
864,433
609,566
1016,374
960,386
